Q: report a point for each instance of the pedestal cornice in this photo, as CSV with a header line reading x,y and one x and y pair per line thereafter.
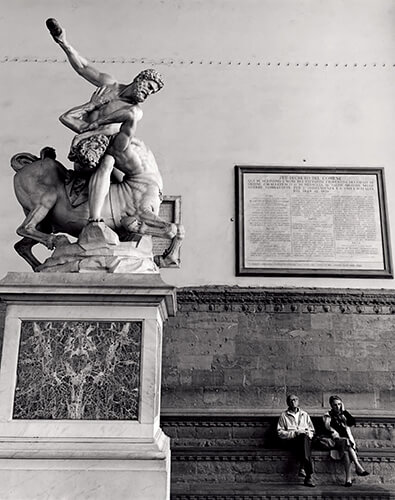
x,y
133,289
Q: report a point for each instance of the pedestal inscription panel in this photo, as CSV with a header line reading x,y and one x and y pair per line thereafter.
x,y
88,370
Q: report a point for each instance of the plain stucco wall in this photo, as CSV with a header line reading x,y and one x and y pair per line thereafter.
x,y
264,82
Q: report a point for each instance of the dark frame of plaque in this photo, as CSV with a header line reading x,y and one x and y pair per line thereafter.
x,y
271,270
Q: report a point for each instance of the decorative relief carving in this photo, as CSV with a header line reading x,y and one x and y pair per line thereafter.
x,y
311,301
261,421
221,456
78,370
186,423
236,496
292,495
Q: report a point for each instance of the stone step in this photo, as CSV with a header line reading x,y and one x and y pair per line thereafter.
x,y
260,431
247,491
215,465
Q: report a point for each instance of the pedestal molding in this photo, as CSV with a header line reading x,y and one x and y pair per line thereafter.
x,y
87,449
73,289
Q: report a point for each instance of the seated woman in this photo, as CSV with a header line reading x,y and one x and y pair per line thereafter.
x,y
338,422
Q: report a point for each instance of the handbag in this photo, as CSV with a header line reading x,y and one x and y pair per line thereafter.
x,y
324,443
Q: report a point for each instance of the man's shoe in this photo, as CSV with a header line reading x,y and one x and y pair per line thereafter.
x,y
302,472
363,473
309,482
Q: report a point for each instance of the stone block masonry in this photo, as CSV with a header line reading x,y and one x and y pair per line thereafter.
x,y
233,348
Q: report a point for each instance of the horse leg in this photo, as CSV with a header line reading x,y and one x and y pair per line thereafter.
x,y
147,223
171,256
23,248
28,228
150,224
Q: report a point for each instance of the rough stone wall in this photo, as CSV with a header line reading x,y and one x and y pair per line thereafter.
x,y
234,348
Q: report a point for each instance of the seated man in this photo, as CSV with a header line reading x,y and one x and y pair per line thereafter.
x,y
296,429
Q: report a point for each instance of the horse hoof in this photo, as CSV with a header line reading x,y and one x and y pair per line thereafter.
x,y
180,232
51,242
166,261
61,240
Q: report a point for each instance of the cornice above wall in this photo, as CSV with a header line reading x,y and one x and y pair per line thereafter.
x,y
287,300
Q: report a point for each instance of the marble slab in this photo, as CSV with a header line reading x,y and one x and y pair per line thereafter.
x,y
82,370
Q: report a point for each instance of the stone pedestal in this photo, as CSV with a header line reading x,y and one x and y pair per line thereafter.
x,y
80,387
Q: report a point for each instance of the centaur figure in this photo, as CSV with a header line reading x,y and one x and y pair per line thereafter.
x,y
104,148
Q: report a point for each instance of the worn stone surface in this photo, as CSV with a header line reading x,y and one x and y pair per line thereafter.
x,y
234,350
229,450
230,348
222,468
260,432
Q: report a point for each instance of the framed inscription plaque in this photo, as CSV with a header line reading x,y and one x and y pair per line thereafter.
x,y
311,222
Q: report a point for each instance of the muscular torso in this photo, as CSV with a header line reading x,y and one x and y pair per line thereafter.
x,y
113,92
137,162
106,110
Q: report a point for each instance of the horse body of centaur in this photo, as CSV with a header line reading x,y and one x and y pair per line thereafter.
x,y
40,187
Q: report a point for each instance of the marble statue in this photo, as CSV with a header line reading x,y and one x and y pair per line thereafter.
x,y
111,200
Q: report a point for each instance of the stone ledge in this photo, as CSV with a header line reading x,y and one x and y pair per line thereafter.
x,y
269,491
286,300
233,430
96,287
247,454
217,417
120,448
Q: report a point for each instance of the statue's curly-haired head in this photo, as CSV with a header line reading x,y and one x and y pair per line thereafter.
x,y
152,75
89,151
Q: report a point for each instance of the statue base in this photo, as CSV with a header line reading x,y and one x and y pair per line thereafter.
x,y
110,472
80,387
99,249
